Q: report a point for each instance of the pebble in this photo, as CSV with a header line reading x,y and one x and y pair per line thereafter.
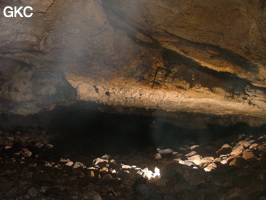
x,y
17,154
186,162
223,157
194,147
8,147
262,137
262,148
192,153
210,167
179,156
254,146
78,164
126,166
92,174
246,143
26,152
147,173
248,154
225,146
239,162
217,160
158,156
48,164
207,160
104,169
64,160
91,168
237,150
165,151
112,161
106,157
225,149
70,163
232,157
196,159
39,145
49,146
100,161
224,161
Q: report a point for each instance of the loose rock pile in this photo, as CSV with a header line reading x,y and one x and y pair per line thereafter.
x,y
31,168
241,153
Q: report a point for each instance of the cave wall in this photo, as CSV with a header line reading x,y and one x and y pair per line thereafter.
x,y
174,59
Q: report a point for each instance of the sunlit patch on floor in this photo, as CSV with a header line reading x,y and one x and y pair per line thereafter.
x,y
150,175
105,165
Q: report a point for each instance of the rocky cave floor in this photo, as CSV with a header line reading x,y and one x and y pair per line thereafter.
x,y
43,165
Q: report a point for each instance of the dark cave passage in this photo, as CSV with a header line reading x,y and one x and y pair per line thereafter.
x,y
123,133
81,131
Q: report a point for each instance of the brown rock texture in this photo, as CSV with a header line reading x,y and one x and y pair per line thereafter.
x,y
179,60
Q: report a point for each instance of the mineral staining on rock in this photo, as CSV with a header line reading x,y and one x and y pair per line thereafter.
x,y
192,58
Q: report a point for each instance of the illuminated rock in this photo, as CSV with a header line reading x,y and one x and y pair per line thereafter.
x,y
237,150
248,155
195,159
210,167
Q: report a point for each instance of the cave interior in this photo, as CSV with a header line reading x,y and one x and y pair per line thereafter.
x,y
133,100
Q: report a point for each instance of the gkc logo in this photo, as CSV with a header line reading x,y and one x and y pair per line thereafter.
x,y
20,11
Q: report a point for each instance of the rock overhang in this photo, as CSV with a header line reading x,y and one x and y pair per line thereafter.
x,y
177,60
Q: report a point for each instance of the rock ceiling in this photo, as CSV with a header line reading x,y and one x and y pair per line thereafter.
x,y
190,62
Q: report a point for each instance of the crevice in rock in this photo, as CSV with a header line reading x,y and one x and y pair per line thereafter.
x,y
179,66
48,8
217,52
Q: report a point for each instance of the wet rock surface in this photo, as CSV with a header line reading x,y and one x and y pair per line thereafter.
x,y
32,166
